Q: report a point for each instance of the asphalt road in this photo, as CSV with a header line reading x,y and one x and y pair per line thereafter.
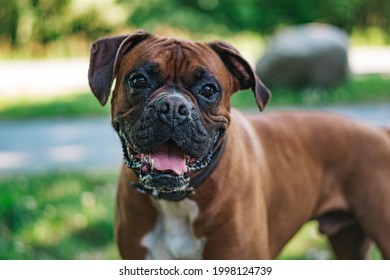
x,y
41,145
86,144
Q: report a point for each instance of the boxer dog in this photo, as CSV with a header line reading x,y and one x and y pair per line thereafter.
x,y
201,180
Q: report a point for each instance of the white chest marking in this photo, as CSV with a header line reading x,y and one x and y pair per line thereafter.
x,y
173,236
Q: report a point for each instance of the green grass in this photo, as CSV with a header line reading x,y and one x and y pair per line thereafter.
x,y
363,89
309,244
359,89
57,216
69,215
63,106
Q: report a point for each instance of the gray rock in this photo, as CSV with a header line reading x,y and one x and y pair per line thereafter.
x,y
306,55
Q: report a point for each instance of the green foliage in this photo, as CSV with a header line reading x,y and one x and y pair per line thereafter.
x,y
9,16
37,23
261,16
46,26
28,23
43,19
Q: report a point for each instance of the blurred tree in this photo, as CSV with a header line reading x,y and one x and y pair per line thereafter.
x,y
48,23
45,21
262,16
23,22
95,18
88,23
9,17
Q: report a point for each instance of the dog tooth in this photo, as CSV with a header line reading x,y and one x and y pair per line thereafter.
x,y
156,192
146,158
141,191
152,163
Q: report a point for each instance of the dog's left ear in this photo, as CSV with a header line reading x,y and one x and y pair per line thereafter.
x,y
105,57
244,75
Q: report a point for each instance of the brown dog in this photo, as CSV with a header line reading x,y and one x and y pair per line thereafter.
x,y
202,180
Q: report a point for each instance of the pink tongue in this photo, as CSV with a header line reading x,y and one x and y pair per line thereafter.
x,y
169,157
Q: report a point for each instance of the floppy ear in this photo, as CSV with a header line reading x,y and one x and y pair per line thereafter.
x,y
105,57
243,74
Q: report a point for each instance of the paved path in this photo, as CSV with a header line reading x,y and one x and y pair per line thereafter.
x,y
38,146
43,77
41,145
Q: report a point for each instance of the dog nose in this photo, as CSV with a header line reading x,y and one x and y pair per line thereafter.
x,y
173,109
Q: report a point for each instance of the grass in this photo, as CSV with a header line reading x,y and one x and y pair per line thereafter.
x,y
358,89
69,215
363,89
309,244
62,106
57,216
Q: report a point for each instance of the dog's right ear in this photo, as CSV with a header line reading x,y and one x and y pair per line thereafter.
x,y
243,73
105,57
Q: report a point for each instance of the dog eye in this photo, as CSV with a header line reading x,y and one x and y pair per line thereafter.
x,y
138,81
208,91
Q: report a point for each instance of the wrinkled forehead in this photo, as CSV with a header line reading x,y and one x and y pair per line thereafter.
x,y
173,55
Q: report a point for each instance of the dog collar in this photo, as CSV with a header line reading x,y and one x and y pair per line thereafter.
x,y
193,185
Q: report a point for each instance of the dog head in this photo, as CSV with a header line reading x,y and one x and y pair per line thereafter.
x,y
171,101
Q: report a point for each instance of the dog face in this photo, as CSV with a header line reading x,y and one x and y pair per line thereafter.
x,y
171,101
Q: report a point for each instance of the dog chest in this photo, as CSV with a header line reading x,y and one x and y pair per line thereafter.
x,y
173,236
